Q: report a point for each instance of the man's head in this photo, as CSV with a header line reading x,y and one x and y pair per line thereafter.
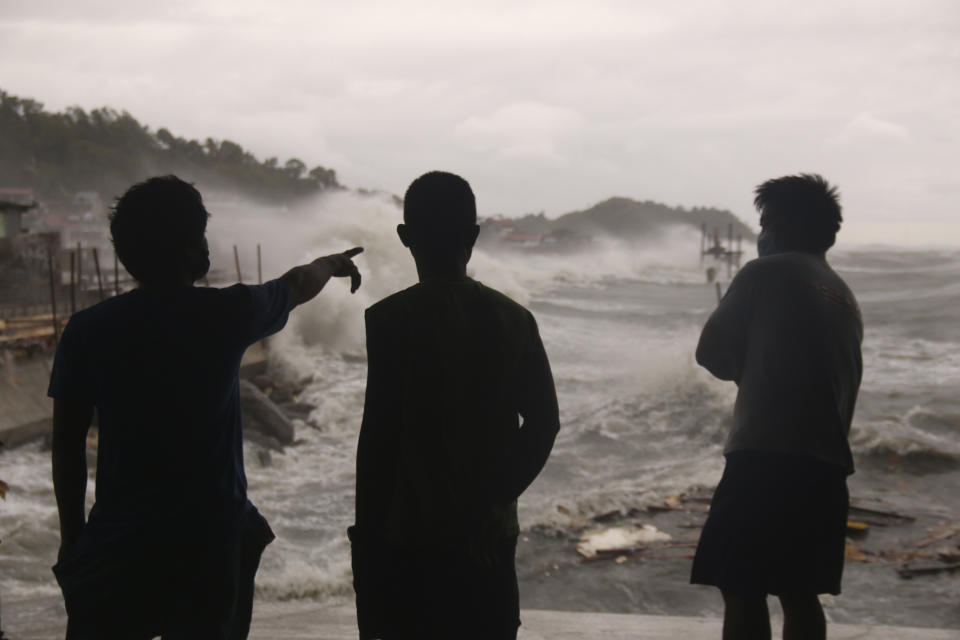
x,y
440,221
797,213
158,231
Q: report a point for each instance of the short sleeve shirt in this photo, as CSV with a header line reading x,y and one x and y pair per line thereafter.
x,y
162,371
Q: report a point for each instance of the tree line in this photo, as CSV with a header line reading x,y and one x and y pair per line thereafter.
x,y
103,150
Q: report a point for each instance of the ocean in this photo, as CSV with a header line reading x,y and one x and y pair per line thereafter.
x,y
641,422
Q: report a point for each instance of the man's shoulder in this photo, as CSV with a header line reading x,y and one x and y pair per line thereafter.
x,y
780,266
496,298
418,295
115,307
392,303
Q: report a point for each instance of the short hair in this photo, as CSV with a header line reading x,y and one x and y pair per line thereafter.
x,y
441,209
802,210
154,223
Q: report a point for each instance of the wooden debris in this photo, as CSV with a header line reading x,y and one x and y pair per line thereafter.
x,y
853,554
943,532
908,571
609,515
876,517
856,527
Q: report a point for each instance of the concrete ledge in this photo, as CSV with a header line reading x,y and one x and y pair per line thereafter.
x,y
43,619
339,623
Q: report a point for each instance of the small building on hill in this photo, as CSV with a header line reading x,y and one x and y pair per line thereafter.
x,y
14,202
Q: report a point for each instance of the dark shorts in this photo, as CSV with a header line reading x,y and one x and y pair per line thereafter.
x,y
435,594
158,585
777,525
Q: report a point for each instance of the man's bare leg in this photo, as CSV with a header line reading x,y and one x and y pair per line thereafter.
x,y
745,617
803,617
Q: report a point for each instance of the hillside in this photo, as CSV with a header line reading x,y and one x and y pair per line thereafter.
x,y
625,217
58,155
617,217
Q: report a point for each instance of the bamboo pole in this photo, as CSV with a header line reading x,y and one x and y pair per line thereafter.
x,y
729,250
236,261
703,241
53,294
80,273
73,282
96,264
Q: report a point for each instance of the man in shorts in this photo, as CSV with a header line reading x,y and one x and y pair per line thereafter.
x,y
172,543
442,457
788,333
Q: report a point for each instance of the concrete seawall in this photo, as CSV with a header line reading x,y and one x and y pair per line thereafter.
x,y
25,410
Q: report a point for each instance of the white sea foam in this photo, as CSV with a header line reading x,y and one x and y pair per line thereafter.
x,y
337,221
901,435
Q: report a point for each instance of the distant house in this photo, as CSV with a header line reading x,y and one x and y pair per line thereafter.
x,y
14,202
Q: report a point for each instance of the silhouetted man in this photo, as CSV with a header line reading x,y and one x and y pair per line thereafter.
x,y
788,332
172,542
442,457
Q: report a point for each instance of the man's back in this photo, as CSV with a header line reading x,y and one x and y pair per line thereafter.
x,y
799,330
452,366
161,369
442,459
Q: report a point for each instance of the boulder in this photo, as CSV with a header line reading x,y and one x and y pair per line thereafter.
x,y
261,414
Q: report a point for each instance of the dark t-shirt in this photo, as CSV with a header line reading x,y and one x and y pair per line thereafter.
x,y
788,332
161,369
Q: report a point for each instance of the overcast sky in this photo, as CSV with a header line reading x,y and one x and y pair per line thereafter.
x,y
543,105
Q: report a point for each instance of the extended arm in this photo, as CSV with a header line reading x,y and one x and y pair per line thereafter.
x,y
71,421
306,281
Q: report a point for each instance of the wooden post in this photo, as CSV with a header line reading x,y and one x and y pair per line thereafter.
x,y
719,293
73,282
116,274
96,265
703,233
236,261
259,266
53,294
80,273
729,250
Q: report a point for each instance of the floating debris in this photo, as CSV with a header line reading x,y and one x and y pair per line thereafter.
x,y
908,570
617,540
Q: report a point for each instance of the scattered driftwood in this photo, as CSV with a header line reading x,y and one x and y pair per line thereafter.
x,y
908,570
620,555
682,502
876,517
918,558
941,532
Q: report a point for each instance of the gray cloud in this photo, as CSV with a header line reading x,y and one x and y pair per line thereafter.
x,y
542,105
